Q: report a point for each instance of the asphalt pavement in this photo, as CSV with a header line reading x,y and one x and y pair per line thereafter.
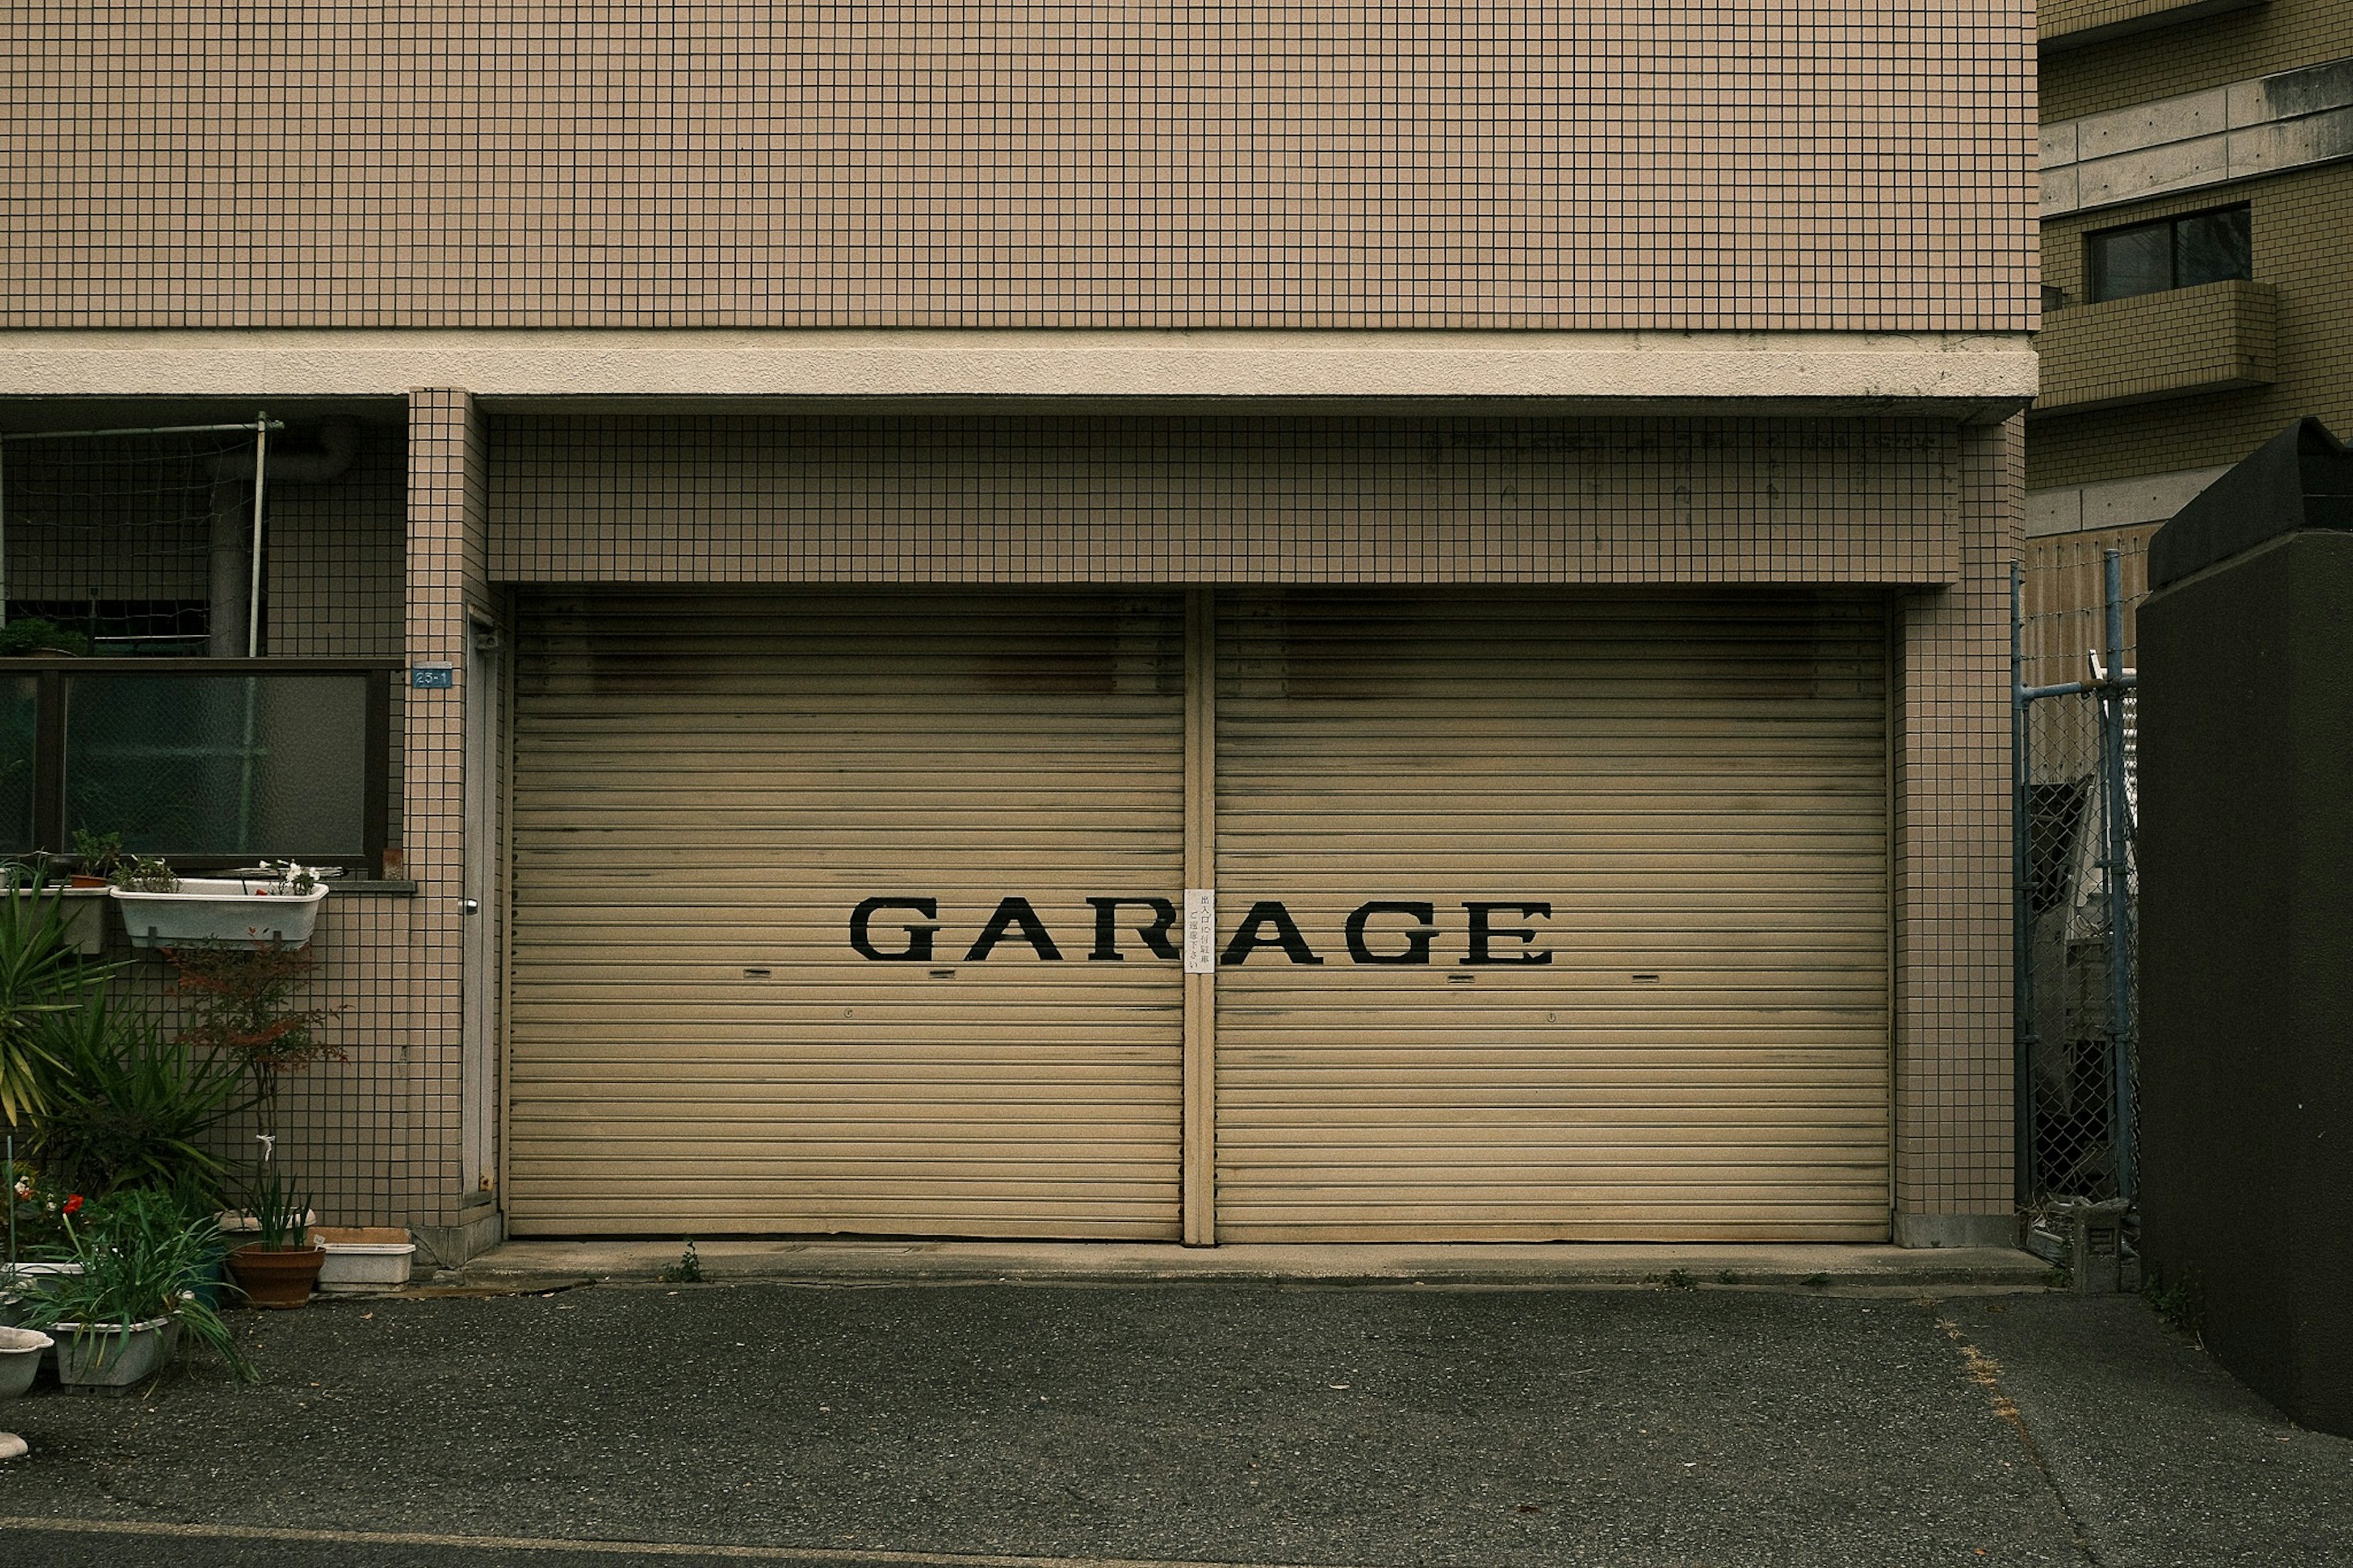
x,y
1069,1427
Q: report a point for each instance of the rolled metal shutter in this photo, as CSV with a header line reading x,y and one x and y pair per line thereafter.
x,y
706,787
1696,784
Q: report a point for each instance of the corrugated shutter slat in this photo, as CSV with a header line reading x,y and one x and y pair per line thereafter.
x,y
708,783
1694,781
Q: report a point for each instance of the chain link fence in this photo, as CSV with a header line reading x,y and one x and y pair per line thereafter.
x,y
2076,794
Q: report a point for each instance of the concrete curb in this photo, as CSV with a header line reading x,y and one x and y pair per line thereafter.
x,y
547,1265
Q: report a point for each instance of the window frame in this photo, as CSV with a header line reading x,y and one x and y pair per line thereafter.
x,y
49,743
2095,272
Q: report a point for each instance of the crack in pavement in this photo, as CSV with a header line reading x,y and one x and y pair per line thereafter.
x,y
1986,1373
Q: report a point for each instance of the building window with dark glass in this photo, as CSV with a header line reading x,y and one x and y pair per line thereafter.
x,y
2171,253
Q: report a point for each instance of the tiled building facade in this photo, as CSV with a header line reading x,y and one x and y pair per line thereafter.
x,y
1688,298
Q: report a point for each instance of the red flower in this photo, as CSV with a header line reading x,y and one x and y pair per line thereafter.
x,y
73,1205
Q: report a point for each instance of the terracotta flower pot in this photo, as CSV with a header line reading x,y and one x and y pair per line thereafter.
x,y
276,1278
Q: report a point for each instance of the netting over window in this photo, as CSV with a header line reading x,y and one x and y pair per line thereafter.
x,y
128,542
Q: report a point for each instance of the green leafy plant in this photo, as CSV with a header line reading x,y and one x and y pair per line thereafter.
x,y
280,1211
2179,1299
41,977
129,1107
33,633
34,1204
97,855
687,1271
141,875
242,1000
145,1255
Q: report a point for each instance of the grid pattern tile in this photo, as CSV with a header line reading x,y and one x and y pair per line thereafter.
x,y
1684,164
976,500
1951,770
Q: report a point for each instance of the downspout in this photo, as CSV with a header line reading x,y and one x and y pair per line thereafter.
x,y
233,565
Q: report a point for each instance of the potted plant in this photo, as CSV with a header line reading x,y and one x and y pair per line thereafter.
x,y
77,903
144,1257
37,1237
278,908
132,1106
97,857
41,977
280,1266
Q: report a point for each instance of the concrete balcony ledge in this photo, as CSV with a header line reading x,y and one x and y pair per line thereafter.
x,y
2071,23
2213,338
2240,130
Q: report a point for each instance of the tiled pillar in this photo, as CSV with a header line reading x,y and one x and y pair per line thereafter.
x,y
446,569
1953,1171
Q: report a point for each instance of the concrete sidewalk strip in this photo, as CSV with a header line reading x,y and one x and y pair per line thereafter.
x,y
1202,1423
150,1540
1195,1425
531,1263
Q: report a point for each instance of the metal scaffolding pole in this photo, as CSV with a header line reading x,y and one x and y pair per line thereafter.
x,y
2119,873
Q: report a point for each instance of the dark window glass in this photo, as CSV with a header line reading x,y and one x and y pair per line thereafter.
x,y
2171,253
19,726
2212,247
218,764
2128,261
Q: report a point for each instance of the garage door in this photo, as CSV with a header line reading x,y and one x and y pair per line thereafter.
x,y
803,930
1617,868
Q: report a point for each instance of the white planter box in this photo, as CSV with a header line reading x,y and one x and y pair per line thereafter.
x,y
85,913
221,911
17,1290
105,1356
362,1259
21,1350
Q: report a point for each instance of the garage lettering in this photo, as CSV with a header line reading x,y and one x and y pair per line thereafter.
x,y
893,930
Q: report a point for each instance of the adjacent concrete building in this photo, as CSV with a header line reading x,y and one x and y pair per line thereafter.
x,y
1241,625
2196,211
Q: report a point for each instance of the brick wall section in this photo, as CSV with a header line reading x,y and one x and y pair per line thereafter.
x,y
1682,164
2216,337
2276,36
1953,862
2302,224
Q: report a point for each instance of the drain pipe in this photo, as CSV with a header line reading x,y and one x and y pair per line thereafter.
x,y
233,576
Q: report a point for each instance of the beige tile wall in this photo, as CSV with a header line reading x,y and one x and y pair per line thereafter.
x,y
1633,501
1010,498
1951,769
1681,163
1637,502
